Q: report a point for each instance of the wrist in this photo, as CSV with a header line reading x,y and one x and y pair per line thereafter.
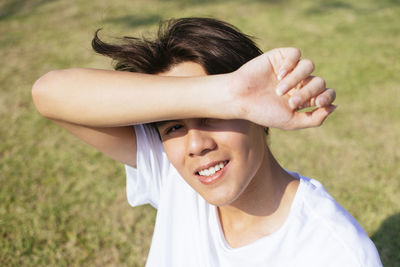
x,y
229,104
213,97
234,91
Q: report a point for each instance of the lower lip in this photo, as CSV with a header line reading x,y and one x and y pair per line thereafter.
x,y
213,178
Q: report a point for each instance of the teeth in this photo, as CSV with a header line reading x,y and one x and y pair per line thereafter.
x,y
212,170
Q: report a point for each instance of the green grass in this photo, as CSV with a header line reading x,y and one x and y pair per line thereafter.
x,y
64,204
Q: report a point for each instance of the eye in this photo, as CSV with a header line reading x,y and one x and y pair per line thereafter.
x,y
173,128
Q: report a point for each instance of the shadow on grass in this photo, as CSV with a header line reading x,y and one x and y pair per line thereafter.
x,y
200,2
13,7
394,2
135,21
324,6
387,241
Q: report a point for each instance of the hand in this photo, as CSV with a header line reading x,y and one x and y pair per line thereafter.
x,y
271,88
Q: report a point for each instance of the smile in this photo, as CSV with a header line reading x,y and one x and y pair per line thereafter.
x,y
212,170
210,174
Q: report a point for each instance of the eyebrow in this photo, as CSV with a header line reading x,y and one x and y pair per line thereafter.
x,y
161,123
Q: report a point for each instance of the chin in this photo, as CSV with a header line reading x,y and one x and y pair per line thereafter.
x,y
219,198
218,202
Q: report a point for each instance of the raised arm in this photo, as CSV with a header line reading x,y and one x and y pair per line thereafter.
x,y
103,98
99,105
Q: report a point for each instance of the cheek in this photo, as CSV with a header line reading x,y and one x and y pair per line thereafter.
x,y
258,144
250,150
175,152
249,146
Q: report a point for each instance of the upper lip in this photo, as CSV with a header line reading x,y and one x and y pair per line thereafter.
x,y
207,166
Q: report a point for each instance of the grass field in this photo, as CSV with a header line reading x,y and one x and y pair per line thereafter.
x,y
64,204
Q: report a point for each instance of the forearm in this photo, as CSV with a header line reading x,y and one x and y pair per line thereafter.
x,y
102,98
105,98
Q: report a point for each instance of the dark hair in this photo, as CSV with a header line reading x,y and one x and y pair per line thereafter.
x,y
216,45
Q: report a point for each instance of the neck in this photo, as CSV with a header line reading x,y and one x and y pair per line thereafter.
x,y
264,205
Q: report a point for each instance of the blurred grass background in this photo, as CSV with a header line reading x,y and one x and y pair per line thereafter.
x,y
63,204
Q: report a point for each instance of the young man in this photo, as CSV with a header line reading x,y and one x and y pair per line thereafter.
x,y
200,97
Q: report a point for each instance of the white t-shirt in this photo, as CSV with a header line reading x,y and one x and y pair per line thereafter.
x,y
318,231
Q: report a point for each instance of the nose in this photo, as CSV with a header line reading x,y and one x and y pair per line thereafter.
x,y
199,142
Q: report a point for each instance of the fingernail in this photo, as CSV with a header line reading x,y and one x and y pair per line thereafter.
x,y
317,103
281,74
280,89
294,102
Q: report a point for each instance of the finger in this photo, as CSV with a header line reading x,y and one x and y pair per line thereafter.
x,y
313,118
291,56
302,70
311,88
326,98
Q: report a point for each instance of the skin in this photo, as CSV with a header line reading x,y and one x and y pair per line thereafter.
x,y
252,175
99,107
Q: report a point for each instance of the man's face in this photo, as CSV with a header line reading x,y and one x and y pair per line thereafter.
x,y
217,158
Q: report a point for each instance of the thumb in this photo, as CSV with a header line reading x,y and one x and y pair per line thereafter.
x,y
313,118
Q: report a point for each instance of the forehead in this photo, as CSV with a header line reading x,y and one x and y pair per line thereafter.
x,y
185,69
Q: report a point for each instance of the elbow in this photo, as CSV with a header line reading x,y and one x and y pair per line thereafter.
x,y
40,92
46,92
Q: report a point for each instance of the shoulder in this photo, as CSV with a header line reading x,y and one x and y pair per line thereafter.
x,y
332,226
146,182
